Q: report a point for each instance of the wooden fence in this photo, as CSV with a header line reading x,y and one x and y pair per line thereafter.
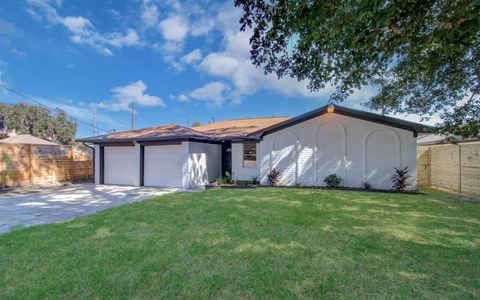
x,y
23,164
451,167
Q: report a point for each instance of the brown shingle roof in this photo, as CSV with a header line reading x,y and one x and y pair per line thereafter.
x,y
223,129
238,128
151,133
27,139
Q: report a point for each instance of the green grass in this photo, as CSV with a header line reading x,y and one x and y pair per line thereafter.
x,y
267,242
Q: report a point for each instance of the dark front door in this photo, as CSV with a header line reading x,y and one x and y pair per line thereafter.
x,y
226,157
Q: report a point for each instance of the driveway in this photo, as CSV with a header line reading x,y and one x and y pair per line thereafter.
x,y
63,203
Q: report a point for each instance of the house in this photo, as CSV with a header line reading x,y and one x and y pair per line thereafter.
x,y
356,145
27,139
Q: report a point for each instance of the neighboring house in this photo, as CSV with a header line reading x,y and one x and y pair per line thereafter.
x,y
27,139
356,145
437,139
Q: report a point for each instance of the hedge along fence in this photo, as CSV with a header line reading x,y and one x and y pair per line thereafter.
x,y
451,167
23,164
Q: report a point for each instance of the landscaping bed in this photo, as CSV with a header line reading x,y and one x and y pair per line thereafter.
x,y
252,186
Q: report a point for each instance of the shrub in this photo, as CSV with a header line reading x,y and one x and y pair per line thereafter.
x,y
243,183
332,180
273,176
367,185
399,178
225,179
255,180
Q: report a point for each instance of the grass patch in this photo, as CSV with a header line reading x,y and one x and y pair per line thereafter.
x,y
266,242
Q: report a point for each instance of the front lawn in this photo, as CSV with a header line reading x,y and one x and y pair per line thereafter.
x,y
266,242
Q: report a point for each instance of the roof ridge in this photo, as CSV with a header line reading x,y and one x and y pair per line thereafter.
x,y
240,119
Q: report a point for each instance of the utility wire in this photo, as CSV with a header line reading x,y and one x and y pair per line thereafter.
x,y
50,108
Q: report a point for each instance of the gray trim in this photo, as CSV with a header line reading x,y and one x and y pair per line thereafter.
x,y
102,165
142,165
160,143
101,139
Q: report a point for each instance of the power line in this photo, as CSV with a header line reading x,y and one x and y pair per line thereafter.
x,y
50,108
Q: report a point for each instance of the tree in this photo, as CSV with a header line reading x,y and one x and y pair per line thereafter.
x,y
196,124
422,56
37,121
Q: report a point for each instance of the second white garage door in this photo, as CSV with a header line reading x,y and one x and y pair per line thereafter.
x,y
119,165
163,166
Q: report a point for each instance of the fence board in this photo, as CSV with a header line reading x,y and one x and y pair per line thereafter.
x,y
36,164
452,167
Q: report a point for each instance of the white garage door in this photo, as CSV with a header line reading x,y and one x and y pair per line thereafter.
x,y
163,166
119,165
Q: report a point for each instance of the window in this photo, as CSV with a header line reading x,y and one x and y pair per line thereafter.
x,y
249,155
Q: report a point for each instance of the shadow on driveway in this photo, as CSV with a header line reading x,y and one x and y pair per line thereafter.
x,y
60,204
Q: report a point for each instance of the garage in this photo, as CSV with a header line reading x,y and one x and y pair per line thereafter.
x,y
119,165
163,166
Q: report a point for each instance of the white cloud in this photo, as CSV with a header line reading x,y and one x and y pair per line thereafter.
x,y
150,14
214,93
82,29
174,28
118,40
183,98
220,64
233,64
77,25
122,97
192,57
18,53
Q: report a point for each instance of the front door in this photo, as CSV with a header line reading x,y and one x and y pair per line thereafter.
x,y
226,157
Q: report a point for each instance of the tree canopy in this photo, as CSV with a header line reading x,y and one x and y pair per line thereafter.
x,y
423,56
37,121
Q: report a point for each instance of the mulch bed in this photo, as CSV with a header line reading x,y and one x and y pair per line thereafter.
x,y
253,186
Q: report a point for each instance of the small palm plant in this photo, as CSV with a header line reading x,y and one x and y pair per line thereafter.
x,y
400,178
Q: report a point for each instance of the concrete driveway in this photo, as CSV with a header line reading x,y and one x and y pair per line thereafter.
x,y
63,203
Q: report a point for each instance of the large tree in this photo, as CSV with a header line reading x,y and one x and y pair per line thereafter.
x,y
423,56
37,121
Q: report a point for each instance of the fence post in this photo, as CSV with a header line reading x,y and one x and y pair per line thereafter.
x,y
52,169
429,166
2,167
459,168
71,164
30,166
87,169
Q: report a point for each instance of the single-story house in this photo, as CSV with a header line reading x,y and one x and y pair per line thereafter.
x,y
358,146
27,139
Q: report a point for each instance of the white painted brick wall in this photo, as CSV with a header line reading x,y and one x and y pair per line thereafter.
x,y
317,141
240,172
202,163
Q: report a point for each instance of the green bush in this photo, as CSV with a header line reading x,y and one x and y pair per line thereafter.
x,y
332,180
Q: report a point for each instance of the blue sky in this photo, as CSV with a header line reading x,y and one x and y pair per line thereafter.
x,y
181,61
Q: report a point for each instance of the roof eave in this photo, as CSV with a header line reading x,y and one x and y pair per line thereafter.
x,y
153,139
367,116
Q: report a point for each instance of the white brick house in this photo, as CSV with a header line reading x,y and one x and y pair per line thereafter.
x,y
358,146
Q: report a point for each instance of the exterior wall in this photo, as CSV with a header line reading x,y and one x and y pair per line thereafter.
x,y
239,172
202,163
358,151
96,167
